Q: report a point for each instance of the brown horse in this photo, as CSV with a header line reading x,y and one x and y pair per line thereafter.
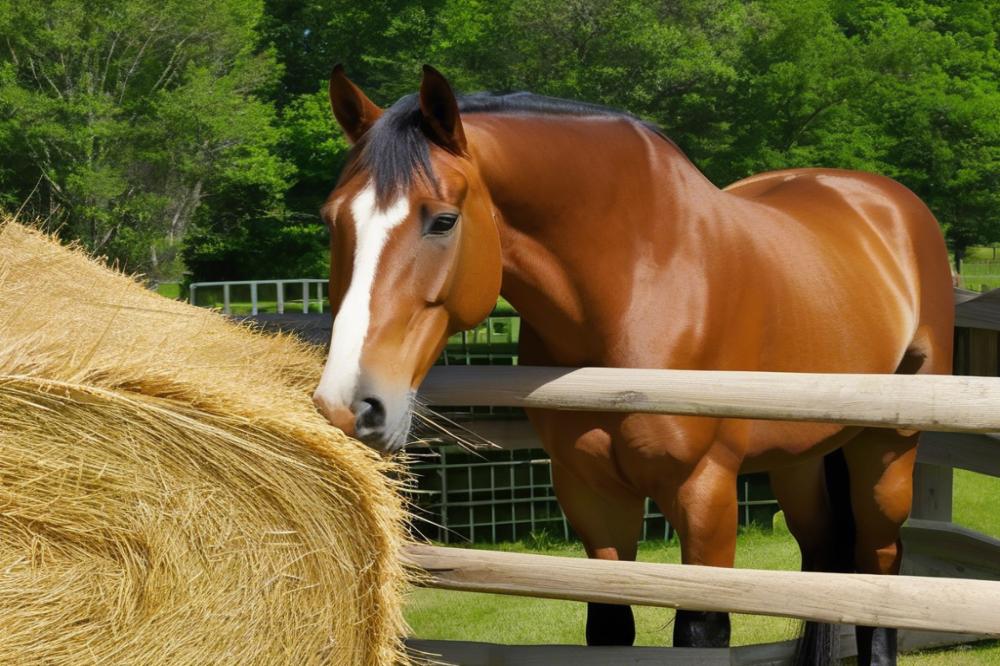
x,y
618,252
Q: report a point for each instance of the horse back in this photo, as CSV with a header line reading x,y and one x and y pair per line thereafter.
x,y
859,249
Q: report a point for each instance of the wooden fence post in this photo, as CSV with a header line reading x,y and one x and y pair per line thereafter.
x,y
932,492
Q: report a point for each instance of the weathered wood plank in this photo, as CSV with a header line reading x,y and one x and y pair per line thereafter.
x,y
977,311
508,433
976,452
932,491
890,601
768,654
932,548
983,352
911,640
489,654
925,402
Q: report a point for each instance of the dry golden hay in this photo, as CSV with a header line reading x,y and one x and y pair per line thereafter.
x,y
168,494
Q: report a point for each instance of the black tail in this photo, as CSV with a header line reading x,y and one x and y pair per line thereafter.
x,y
839,488
820,643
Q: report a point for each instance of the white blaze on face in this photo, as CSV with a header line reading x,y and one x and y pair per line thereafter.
x,y
372,227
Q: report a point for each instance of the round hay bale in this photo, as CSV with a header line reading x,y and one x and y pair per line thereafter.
x,y
168,493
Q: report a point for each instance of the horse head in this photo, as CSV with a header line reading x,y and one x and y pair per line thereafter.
x,y
414,254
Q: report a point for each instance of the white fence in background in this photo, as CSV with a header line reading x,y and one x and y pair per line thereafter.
x,y
306,286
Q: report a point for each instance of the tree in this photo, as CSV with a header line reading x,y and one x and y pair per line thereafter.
x,y
135,126
234,240
935,90
116,116
907,88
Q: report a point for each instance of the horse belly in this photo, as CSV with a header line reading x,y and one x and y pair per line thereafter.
x,y
624,455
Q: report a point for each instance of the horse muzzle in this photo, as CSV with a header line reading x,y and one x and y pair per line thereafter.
x,y
382,424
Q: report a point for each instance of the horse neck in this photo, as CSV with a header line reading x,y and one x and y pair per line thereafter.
x,y
585,206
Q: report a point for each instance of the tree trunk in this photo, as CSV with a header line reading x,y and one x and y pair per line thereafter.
x,y
183,213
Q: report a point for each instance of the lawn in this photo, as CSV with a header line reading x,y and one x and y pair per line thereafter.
x,y
441,614
981,269
292,306
991,253
169,289
239,302
981,275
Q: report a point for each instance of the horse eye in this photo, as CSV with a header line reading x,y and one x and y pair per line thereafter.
x,y
442,224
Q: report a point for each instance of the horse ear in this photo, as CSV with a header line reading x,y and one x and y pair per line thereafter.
x,y
353,110
440,109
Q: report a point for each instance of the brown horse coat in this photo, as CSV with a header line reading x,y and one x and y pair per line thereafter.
x,y
618,252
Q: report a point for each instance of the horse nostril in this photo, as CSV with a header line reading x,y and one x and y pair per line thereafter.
x,y
336,414
371,414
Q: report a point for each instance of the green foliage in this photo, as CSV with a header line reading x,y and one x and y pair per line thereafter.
x,y
256,248
135,125
313,141
902,87
121,119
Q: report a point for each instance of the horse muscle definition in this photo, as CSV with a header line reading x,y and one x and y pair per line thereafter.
x,y
618,252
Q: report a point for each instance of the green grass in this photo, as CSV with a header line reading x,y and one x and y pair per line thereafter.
x,y
292,306
980,270
169,289
442,614
210,299
982,253
986,653
980,276
976,499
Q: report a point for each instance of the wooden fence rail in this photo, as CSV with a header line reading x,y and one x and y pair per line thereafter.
x,y
923,607
924,402
905,602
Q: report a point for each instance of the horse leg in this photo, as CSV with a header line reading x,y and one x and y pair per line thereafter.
x,y
609,525
802,493
602,509
880,464
702,508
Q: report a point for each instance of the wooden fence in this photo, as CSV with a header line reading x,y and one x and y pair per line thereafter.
x,y
952,606
958,413
925,402
906,602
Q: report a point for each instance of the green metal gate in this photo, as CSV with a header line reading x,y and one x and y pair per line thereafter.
x,y
504,495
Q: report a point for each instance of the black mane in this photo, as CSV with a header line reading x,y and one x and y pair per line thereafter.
x,y
526,102
395,150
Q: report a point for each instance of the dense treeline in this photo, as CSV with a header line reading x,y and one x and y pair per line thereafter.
x,y
176,132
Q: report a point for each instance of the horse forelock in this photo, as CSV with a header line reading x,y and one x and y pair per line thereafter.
x,y
394,153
